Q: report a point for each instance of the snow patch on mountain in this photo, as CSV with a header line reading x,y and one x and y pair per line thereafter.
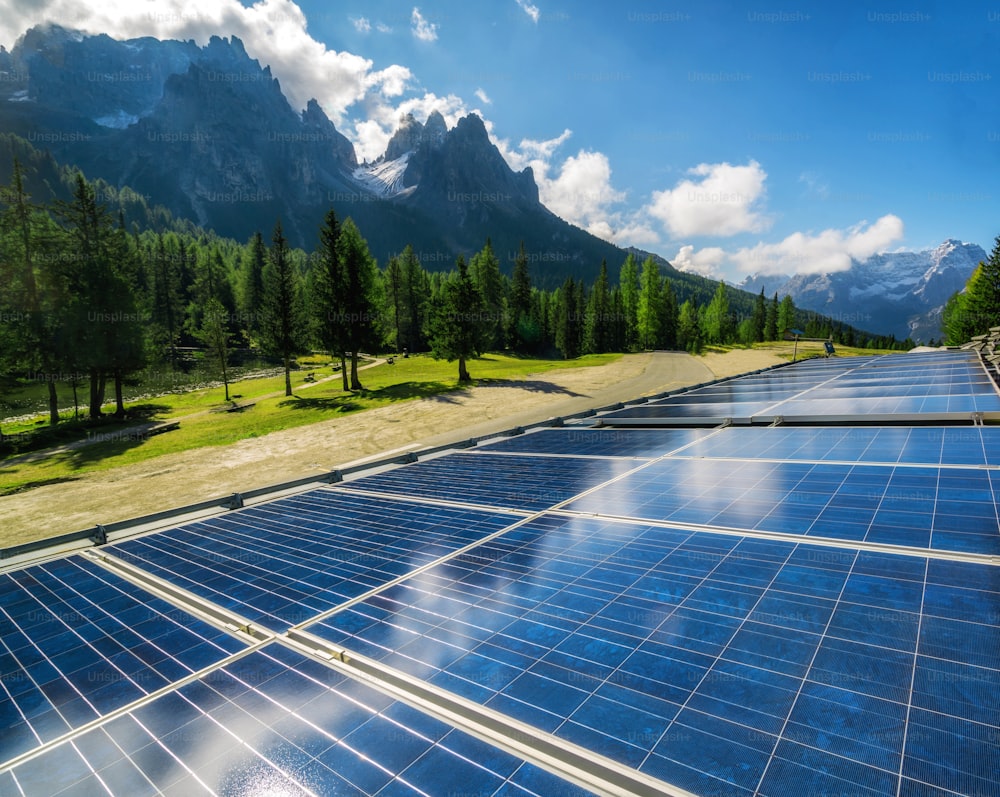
x,y
892,292
118,120
385,178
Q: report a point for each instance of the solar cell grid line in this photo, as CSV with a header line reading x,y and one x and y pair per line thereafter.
x,y
913,675
801,498
531,483
77,643
749,779
278,570
277,722
598,442
854,666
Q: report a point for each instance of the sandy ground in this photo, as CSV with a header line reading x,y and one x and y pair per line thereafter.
x,y
177,479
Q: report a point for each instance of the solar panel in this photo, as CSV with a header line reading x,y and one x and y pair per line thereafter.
x,y
283,562
917,445
526,483
276,722
948,509
745,610
943,386
713,663
77,642
584,441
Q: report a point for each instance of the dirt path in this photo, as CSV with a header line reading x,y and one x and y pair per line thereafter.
x,y
186,477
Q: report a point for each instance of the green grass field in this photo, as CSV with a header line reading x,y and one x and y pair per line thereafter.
x,y
204,420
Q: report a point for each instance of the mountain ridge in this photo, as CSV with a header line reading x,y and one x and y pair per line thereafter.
x,y
207,133
909,286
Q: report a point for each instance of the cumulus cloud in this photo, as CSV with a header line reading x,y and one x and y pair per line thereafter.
x,y
483,97
530,9
274,32
422,29
577,188
827,251
361,24
718,199
707,262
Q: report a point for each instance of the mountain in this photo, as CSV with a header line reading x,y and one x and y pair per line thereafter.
x,y
207,133
897,293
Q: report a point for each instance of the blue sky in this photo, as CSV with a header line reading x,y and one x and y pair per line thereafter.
x,y
729,137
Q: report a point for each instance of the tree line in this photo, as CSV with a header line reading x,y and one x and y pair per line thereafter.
x,y
89,300
976,308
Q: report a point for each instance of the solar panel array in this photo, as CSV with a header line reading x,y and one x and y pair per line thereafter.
x,y
734,610
918,387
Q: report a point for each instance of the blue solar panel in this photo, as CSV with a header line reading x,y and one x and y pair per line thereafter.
x,y
274,722
281,563
528,483
938,508
949,384
598,442
722,663
77,642
923,445
695,657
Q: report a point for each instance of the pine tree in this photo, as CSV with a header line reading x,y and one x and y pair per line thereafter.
x,y
716,321
759,318
395,302
214,333
689,328
252,294
628,284
981,304
328,292
598,315
104,328
417,290
786,315
361,296
649,313
567,321
523,332
457,329
35,301
282,322
484,270
771,320
166,305
669,319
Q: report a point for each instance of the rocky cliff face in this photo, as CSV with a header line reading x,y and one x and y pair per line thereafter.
x,y
207,133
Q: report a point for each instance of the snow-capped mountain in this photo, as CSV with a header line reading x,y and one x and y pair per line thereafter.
x,y
206,132
383,177
898,293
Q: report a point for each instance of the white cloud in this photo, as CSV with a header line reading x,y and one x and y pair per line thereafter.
x,y
577,188
707,262
361,24
720,199
274,32
582,192
483,97
530,9
827,251
422,29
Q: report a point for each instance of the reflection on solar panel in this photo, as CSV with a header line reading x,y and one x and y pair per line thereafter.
x,y
740,610
938,386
